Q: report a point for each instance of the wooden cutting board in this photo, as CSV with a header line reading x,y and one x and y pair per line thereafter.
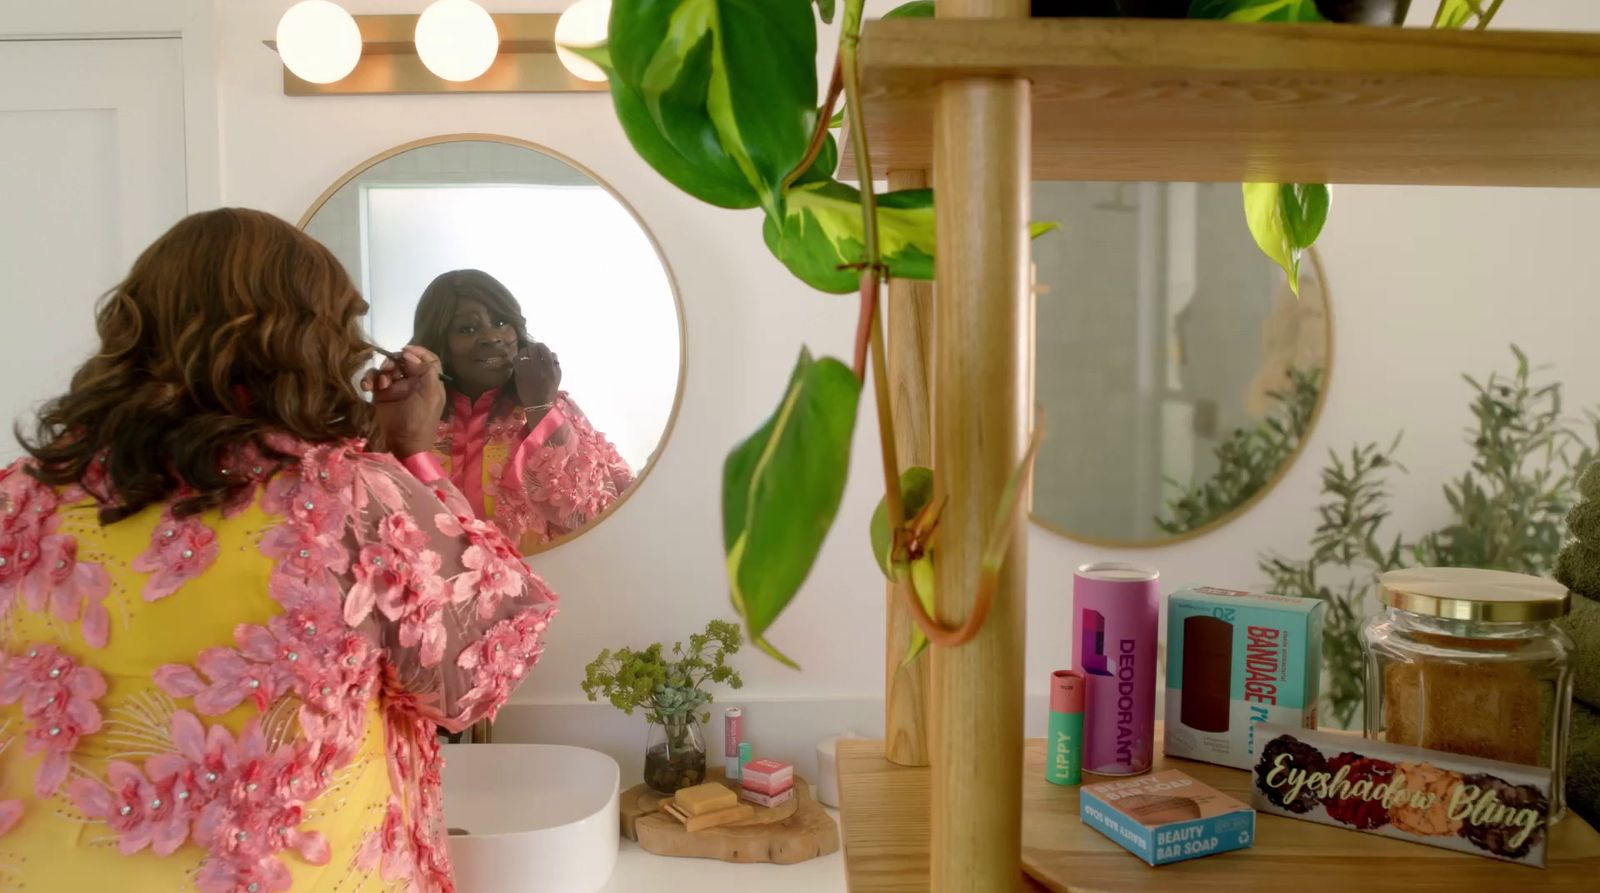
x,y
794,831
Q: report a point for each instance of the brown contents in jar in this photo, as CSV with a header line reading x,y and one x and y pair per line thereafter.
x,y
1481,710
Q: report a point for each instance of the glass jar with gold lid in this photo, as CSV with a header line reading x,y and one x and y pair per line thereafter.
x,y
1472,662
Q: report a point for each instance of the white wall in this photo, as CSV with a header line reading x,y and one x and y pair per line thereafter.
x,y
1425,284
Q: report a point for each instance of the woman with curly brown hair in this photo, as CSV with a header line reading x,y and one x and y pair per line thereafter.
x,y
227,628
515,444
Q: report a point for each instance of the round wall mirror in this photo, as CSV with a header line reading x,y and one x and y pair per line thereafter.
x,y
550,304
1177,372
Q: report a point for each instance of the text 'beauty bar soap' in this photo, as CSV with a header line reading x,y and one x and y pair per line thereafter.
x,y
1167,817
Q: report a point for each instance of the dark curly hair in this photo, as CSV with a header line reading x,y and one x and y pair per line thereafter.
x,y
231,328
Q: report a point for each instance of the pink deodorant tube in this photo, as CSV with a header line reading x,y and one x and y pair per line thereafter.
x,y
1116,610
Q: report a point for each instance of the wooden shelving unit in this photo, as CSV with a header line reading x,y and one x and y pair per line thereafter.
x,y
1289,854
1124,99
984,100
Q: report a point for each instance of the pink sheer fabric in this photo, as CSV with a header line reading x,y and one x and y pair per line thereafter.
x,y
540,482
392,601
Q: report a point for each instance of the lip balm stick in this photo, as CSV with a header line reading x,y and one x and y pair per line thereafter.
x,y
1064,748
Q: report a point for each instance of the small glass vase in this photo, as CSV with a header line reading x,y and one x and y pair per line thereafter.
x,y
674,755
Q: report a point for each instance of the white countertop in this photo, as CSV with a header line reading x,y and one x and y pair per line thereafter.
x,y
639,871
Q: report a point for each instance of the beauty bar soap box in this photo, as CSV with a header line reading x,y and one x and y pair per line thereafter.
x,y
1468,804
1167,817
1236,660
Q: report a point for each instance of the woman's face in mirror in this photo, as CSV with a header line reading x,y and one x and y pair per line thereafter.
x,y
482,346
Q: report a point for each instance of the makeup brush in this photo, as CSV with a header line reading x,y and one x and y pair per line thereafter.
x,y
400,361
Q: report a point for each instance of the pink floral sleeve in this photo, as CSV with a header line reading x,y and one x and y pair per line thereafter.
x,y
461,618
562,475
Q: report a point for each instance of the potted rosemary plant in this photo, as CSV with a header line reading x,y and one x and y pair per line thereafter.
x,y
672,690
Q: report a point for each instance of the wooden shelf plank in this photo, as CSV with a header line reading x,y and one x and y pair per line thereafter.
x,y
1127,99
888,808
884,814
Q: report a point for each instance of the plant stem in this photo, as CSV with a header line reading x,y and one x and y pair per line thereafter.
x,y
894,502
864,328
1486,17
850,77
819,136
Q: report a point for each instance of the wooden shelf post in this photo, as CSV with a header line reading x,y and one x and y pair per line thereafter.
x,y
909,336
982,129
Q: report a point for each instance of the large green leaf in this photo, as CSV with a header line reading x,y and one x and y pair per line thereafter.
x,y
1285,219
823,168
703,171
781,490
820,234
1460,13
730,86
825,10
916,489
1256,10
922,587
916,9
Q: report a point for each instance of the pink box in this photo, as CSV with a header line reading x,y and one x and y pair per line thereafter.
x,y
767,800
768,777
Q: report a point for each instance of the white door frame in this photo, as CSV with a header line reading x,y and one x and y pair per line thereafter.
x,y
193,22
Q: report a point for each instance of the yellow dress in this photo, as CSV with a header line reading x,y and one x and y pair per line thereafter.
x,y
246,699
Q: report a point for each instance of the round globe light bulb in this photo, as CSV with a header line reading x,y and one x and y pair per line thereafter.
x,y
584,24
457,39
318,41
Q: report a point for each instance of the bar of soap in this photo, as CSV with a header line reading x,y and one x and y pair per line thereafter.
x,y
703,799
738,813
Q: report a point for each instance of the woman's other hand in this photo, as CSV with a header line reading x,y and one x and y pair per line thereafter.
x,y
409,399
538,375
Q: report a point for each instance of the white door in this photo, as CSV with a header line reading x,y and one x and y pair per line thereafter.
x,y
91,171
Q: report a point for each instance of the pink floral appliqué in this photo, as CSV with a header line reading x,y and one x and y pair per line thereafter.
x,y
392,574
501,658
494,568
180,550
58,701
43,565
235,798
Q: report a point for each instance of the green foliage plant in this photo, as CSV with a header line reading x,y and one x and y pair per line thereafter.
x,y
670,688
1249,459
1507,511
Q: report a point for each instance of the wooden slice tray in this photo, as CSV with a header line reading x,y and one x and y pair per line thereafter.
x,y
791,832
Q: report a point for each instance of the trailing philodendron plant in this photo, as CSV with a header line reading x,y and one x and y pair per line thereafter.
x,y
1286,218
720,97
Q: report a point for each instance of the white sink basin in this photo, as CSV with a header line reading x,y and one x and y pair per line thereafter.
x,y
541,818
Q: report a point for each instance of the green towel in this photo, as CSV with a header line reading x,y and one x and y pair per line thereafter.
x,y
1583,625
1583,763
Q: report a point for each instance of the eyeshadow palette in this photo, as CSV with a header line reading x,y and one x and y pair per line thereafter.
x,y
1468,804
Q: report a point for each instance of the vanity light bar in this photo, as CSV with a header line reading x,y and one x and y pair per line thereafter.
x,y
526,63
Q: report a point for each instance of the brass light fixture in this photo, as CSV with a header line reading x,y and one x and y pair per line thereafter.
x,y
390,64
